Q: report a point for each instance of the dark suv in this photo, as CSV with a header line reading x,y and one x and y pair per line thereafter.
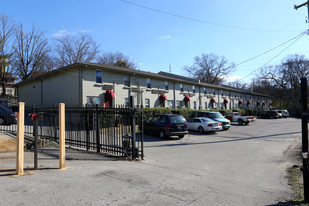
x,y
7,117
166,125
271,114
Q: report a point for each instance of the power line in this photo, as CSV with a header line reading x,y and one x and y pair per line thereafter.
x,y
202,21
300,35
296,39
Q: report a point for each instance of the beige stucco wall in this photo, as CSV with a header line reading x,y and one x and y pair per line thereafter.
x,y
74,86
30,93
52,90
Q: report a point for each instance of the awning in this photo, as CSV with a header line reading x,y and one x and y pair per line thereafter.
x,y
263,103
109,94
226,101
240,101
270,103
187,99
162,97
258,102
213,100
248,102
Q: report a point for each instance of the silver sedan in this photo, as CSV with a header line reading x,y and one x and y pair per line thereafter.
x,y
202,124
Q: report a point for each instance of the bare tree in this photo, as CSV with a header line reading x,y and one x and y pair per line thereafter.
x,y
117,59
210,68
6,32
239,85
30,52
286,77
72,49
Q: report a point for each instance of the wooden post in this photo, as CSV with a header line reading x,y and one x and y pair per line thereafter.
x,y
61,136
20,139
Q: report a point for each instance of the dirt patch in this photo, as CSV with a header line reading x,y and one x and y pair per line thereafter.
x,y
8,145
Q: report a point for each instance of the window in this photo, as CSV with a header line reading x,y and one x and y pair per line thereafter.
x,y
178,104
126,81
9,91
204,90
127,102
147,102
181,87
93,100
193,89
166,85
194,104
98,77
148,83
170,103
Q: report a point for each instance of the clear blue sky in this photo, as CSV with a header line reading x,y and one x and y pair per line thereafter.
x,y
155,39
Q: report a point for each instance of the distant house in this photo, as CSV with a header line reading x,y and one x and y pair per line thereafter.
x,y
8,79
88,83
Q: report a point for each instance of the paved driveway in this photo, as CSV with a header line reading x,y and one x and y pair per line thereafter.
x,y
243,166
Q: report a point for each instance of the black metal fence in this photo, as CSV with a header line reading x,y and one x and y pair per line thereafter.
x,y
112,131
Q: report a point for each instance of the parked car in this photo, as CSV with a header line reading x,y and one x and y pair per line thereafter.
x,y
216,116
270,114
203,124
235,117
166,125
7,117
283,113
280,114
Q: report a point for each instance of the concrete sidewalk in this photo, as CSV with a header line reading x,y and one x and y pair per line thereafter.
x,y
48,158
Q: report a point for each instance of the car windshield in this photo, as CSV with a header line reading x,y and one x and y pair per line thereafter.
x,y
216,115
178,119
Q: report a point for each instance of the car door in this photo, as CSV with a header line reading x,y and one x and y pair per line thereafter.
x,y
191,124
154,124
147,124
197,123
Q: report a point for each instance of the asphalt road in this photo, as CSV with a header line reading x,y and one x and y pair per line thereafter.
x,y
242,166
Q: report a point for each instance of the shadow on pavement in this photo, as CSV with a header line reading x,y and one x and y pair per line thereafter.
x,y
231,139
289,203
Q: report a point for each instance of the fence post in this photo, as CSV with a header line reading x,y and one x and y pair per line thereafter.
x,y
61,136
133,125
35,125
97,128
55,122
20,139
87,128
142,132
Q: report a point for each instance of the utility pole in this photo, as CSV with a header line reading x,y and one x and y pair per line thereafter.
x,y
305,124
301,5
305,138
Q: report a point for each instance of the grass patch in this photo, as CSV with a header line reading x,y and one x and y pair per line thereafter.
x,y
295,180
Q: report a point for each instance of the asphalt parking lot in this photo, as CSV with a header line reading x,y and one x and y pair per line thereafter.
x,y
242,166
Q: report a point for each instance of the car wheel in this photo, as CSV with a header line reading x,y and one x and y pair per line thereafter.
x,y
181,136
1,120
162,134
201,130
240,122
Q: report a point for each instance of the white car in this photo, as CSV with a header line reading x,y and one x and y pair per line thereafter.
x,y
203,124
